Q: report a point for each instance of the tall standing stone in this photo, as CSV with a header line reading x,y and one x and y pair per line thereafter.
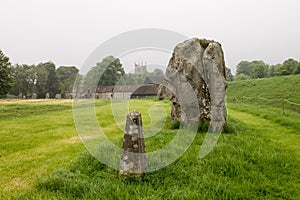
x,y
133,158
200,64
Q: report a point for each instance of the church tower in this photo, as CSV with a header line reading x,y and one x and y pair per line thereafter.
x,y
140,68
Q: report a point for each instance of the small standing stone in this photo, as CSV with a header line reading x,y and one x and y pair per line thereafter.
x,y
58,96
34,96
133,158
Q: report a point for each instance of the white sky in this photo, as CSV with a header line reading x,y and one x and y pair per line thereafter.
x,y
67,31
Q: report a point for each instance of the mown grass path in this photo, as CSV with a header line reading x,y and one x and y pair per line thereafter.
x,y
286,137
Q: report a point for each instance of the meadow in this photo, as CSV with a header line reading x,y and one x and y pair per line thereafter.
x,y
257,156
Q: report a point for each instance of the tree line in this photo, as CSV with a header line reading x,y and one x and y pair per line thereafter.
x,y
259,69
44,79
41,80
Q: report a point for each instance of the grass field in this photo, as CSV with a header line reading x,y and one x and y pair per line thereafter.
x,y
273,92
257,157
36,138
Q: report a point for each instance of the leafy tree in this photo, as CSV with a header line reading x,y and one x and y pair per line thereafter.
x,y
134,79
242,77
52,80
47,81
112,73
260,69
274,70
25,79
6,79
288,67
66,77
19,77
41,84
107,72
253,69
229,76
128,79
158,72
297,70
244,67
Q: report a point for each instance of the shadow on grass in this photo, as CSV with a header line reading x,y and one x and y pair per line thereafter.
x,y
233,126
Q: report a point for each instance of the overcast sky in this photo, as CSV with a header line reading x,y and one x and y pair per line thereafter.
x,y
67,31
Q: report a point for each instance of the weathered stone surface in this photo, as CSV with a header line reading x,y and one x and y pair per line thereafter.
x,y
58,96
47,95
197,63
34,96
133,158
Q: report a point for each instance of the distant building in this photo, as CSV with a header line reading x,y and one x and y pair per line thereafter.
x,y
105,92
123,91
144,91
140,68
126,91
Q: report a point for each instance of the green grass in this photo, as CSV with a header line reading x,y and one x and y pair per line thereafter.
x,y
257,157
265,98
271,113
267,92
244,165
36,138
